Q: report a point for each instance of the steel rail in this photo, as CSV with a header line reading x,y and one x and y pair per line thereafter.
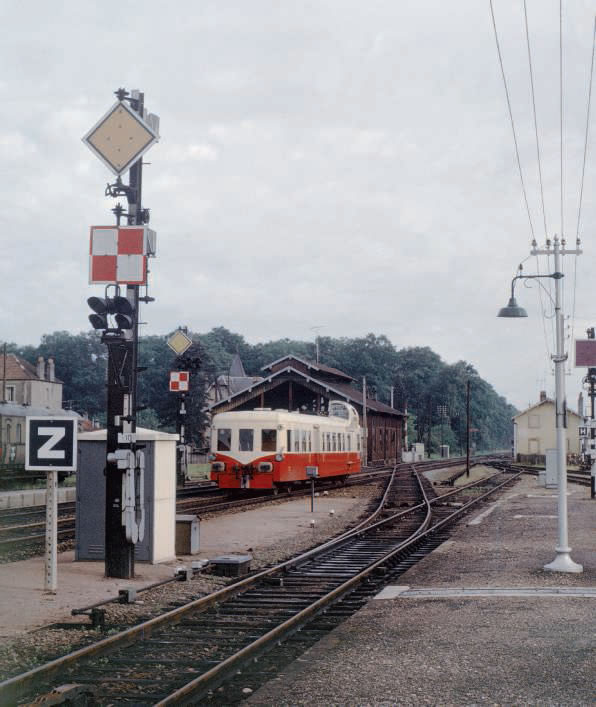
x,y
209,679
205,680
19,685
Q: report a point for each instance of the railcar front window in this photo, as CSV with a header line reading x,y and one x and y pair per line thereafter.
x,y
268,440
245,440
224,439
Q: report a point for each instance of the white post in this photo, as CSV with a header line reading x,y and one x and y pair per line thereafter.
x,y
562,561
364,424
51,557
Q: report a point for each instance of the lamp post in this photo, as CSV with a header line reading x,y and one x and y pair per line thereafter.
x,y
562,561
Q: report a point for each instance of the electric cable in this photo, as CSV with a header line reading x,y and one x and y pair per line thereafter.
x,y
521,174
582,180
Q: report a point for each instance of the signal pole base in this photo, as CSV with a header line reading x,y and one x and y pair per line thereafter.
x,y
563,562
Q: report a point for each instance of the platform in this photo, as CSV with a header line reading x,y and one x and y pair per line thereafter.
x,y
24,605
478,621
34,497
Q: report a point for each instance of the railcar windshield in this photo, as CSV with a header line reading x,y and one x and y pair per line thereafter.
x,y
338,409
224,439
268,440
245,440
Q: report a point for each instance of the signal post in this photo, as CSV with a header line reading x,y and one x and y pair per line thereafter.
x,y
119,259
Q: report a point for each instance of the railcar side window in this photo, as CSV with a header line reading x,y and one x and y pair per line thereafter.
x,y
224,439
349,436
296,440
309,442
334,441
328,441
303,440
289,441
268,440
245,440
357,442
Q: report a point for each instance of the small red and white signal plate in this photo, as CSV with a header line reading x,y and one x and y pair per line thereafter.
x,y
179,381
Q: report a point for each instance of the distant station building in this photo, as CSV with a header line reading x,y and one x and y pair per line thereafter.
x,y
534,432
26,390
295,384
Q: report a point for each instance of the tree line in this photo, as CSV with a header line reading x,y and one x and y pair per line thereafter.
x,y
433,391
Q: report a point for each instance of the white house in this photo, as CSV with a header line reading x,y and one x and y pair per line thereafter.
x,y
534,431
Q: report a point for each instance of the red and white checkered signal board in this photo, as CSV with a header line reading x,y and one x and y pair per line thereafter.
x,y
118,254
179,381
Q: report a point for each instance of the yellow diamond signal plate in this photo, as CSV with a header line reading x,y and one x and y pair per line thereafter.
x,y
120,138
179,342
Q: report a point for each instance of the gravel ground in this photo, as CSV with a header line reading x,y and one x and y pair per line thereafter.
x,y
456,651
35,647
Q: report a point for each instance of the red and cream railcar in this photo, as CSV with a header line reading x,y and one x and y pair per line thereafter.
x,y
268,449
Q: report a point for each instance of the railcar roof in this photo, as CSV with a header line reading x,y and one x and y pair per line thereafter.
x,y
279,416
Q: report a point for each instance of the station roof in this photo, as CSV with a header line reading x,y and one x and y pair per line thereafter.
x,y
311,365
342,390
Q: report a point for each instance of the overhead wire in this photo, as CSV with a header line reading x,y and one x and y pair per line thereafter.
x,y
541,184
521,174
582,179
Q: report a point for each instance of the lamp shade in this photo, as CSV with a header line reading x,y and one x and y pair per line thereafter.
x,y
512,310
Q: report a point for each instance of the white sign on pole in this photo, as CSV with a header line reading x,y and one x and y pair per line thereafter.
x,y
51,446
121,137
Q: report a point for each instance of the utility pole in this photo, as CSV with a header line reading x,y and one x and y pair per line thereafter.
x,y
392,389
468,428
364,423
562,561
592,381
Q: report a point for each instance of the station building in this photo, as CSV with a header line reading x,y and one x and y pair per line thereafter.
x,y
295,384
26,391
534,432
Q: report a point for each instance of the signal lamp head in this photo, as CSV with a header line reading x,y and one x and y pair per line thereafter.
x,y
121,305
98,305
124,321
99,321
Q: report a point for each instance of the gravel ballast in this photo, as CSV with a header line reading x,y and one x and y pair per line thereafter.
x,y
465,651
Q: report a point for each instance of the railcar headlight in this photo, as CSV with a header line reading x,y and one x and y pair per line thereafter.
x,y
279,457
218,466
265,466
211,457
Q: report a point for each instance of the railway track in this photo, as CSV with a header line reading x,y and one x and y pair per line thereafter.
x,y
182,656
26,526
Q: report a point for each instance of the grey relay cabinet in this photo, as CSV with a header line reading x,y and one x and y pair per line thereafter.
x,y
158,545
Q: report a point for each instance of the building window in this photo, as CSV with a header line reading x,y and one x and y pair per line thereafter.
x,y
534,421
8,430
10,393
19,433
534,446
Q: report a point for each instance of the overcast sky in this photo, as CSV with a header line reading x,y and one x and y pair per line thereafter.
x,y
333,163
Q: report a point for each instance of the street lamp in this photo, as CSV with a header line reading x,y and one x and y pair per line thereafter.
x,y
562,561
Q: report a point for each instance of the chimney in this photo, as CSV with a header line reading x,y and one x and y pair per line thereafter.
x,y
51,369
40,368
542,396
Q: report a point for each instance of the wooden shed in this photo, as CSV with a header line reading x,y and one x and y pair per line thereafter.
x,y
293,383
